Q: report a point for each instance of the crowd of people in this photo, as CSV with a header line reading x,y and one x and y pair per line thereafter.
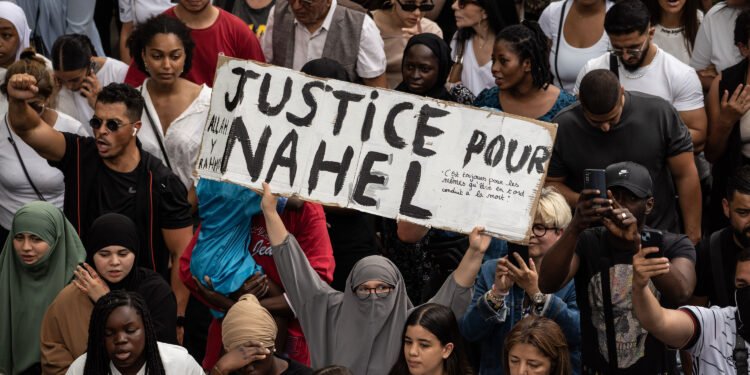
x,y
117,258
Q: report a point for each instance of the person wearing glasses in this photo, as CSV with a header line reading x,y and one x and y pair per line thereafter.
x,y
110,173
398,21
299,31
26,176
642,66
360,328
505,292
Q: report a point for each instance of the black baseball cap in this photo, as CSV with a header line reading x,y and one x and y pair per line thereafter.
x,y
631,176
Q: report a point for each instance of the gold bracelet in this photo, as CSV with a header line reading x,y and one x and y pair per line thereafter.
x,y
216,370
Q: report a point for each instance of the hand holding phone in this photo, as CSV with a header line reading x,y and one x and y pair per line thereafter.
x,y
522,250
595,179
653,238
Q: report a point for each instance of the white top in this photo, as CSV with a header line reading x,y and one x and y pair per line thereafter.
x,y
72,103
138,11
571,59
175,359
15,190
370,58
714,348
476,78
184,135
714,43
673,41
665,77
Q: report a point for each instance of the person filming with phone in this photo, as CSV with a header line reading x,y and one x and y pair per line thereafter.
x,y
506,290
598,247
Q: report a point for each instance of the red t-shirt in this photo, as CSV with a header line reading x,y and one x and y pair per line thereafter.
x,y
228,35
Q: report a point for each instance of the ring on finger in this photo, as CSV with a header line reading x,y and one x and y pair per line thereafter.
x,y
624,215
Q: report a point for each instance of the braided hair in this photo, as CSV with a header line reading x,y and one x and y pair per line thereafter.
x,y
529,42
97,358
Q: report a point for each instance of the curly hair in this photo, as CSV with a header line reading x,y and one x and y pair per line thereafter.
x,y
529,43
97,357
161,24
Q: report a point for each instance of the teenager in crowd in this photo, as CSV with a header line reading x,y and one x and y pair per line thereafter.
x,y
505,292
676,24
523,80
374,303
248,334
398,21
175,109
26,176
38,260
478,22
81,74
536,346
432,344
575,29
425,67
111,264
122,340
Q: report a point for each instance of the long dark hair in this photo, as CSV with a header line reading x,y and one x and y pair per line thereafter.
x,y
441,322
500,14
72,52
689,20
529,42
545,335
97,358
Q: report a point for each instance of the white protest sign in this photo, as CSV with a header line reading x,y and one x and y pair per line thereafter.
x,y
374,150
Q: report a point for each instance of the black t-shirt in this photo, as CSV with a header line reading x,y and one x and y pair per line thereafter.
x,y
254,18
705,286
649,133
92,189
639,352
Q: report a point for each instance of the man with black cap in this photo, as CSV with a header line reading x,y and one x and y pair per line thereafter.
x,y
610,125
598,248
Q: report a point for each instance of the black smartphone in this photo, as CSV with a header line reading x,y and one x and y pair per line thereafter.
x,y
653,238
522,250
596,179
90,69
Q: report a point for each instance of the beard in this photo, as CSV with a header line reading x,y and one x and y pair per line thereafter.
x,y
632,67
742,236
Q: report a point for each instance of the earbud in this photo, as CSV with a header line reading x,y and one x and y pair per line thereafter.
x,y
135,130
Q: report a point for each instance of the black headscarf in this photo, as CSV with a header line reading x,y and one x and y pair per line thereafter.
x,y
442,52
325,68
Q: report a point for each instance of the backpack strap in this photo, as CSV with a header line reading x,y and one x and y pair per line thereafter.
x,y
559,36
716,259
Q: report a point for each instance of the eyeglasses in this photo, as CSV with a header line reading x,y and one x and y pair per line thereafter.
x,y
111,124
364,292
539,230
410,7
463,3
619,52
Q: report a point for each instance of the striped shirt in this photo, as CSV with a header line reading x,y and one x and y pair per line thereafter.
x,y
713,345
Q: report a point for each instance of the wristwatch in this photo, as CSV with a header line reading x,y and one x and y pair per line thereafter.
x,y
538,300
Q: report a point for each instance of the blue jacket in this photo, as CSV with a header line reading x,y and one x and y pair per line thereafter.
x,y
483,324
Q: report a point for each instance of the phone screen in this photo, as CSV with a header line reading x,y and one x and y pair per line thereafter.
x,y
522,250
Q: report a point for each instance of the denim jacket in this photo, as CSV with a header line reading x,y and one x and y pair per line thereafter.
x,y
483,324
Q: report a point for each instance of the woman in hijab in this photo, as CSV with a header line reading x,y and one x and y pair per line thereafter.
x,y
112,249
38,260
248,333
425,67
361,327
16,34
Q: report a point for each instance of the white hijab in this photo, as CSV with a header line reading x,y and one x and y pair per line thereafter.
x,y
15,15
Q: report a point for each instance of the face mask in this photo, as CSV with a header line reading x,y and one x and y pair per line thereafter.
x,y
742,300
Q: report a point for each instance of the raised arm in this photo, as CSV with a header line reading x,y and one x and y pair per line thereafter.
x,y
42,137
688,186
724,110
673,328
559,183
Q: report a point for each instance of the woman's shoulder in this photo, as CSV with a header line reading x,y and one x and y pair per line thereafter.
x,y
68,297
430,26
565,98
177,360
488,98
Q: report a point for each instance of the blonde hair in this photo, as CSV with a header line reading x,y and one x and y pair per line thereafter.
x,y
553,209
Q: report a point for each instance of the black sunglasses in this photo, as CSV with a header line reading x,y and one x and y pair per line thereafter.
x,y
410,7
111,124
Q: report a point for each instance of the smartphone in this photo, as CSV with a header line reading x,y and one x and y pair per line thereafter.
x,y
653,238
596,179
91,69
522,250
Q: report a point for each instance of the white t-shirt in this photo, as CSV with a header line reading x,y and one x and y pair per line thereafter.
x,y
183,138
138,11
714,347
15,190
75,105
714,43
476,78
371,61
673,41
571,59
665,77
175,359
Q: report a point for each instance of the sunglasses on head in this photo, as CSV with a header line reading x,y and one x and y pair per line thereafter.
x,y
410,7
111,124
